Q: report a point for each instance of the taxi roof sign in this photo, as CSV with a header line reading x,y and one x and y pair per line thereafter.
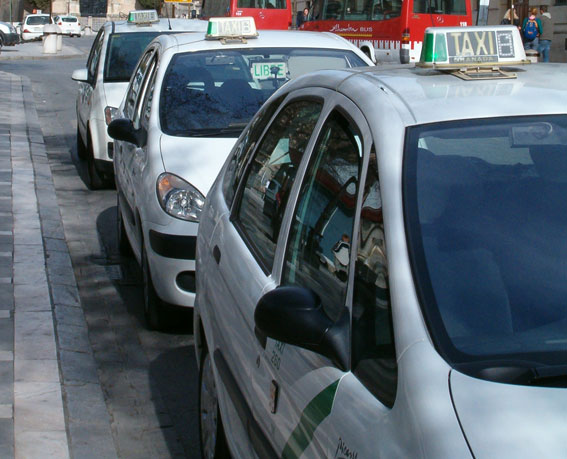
x,y
143,16
471,47
231,28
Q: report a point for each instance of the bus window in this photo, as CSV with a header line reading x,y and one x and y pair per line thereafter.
x,y
276,4
440,7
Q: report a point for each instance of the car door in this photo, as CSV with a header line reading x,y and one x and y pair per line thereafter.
x,y
317,253
130,159
243,244
84,99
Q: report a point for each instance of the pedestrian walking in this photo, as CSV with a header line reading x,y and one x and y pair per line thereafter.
x,y
531,30
302,16
546,34
506,20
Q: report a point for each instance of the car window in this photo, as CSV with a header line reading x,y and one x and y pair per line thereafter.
x,y
373,352
37,20
136,85
216,93
94,57
148,96
318,249
124,51
245,147
271,176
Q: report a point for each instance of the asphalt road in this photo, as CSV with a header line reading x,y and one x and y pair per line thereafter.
x,y
149,379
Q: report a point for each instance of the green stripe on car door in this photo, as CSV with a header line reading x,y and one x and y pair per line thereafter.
x,y
313,414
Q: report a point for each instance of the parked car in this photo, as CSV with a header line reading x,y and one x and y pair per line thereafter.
x,y
70,25
103,83
411,301
188,101
32,27
8,34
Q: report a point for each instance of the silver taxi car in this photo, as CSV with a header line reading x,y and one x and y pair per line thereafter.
x,y
189,99
404,296
102,84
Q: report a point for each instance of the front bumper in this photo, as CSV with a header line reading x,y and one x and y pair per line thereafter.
x,y
11,39
172,264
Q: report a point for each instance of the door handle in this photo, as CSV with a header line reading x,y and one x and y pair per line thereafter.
x,y
216,254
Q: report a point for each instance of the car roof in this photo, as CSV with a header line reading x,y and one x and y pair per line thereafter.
x,y
265,39
163,25
424,96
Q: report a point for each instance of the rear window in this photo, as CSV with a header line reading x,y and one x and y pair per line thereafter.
x,y
69,19
37,20
215,93
124,51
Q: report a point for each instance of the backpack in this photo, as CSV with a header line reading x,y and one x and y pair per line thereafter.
x,y
530,30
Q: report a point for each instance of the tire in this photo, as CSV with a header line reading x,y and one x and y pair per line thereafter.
x,y
81,147
154,307
124,246
211,433
95,179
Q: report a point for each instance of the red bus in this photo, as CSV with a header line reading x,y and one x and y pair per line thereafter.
x,y
387,30
268,14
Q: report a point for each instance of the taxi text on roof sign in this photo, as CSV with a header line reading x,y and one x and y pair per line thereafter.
x,y
143,16
487,46
231,28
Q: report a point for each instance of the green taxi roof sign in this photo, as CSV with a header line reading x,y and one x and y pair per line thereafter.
x,y
143,16
466,47
231,28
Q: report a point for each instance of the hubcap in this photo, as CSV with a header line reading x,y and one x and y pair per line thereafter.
x,y
209,409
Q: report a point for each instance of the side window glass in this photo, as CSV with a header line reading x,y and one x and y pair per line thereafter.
x,y
271,176
318,249
244,149
136,85
94,57
373,352
148,98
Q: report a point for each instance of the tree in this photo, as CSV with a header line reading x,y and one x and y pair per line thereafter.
x,y
41,4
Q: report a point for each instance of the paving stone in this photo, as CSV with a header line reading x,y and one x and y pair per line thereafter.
x,y
38,407
42,444
65,295
78,367
74,338
6,335
30,297
6,438
69,315
34,335
46,370
6,383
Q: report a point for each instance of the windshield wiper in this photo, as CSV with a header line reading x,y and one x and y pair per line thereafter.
x,y
521,373
235,128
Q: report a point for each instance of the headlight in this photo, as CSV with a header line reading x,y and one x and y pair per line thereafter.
x,y
179,198
109,114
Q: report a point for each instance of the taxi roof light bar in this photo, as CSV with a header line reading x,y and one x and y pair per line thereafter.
x,y
467,49
141,17
231,29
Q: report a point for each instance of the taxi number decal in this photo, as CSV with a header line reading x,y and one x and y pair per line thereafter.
x,y
265,70
476,46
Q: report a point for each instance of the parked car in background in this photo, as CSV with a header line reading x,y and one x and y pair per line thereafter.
x,y
410,300
8,34
70,25
32,27
188,101
103,83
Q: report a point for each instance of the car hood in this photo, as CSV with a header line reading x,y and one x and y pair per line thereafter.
x,y
505,420
197,160
114,93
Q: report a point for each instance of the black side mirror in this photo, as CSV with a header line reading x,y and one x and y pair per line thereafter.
x,y
294,315
123,129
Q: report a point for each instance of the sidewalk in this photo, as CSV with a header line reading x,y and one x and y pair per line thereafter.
x,y
34,50
51,402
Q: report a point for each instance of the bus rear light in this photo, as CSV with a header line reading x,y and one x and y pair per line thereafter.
x,y
405,36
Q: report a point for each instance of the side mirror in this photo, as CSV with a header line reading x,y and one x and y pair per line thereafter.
x,y
123,129
81,75
294,315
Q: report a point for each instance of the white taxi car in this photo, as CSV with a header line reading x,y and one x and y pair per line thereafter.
x,y
32,27
103,83
405,295
188,101
69,24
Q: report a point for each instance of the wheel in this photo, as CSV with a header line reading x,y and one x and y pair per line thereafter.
x,y
124,246
154,308
81,147
211,433
95,178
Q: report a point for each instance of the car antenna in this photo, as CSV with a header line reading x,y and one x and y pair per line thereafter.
x,y
167,15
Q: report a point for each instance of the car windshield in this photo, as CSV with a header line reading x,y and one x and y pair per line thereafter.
x,y
124,50
37,20
215,93
486,218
